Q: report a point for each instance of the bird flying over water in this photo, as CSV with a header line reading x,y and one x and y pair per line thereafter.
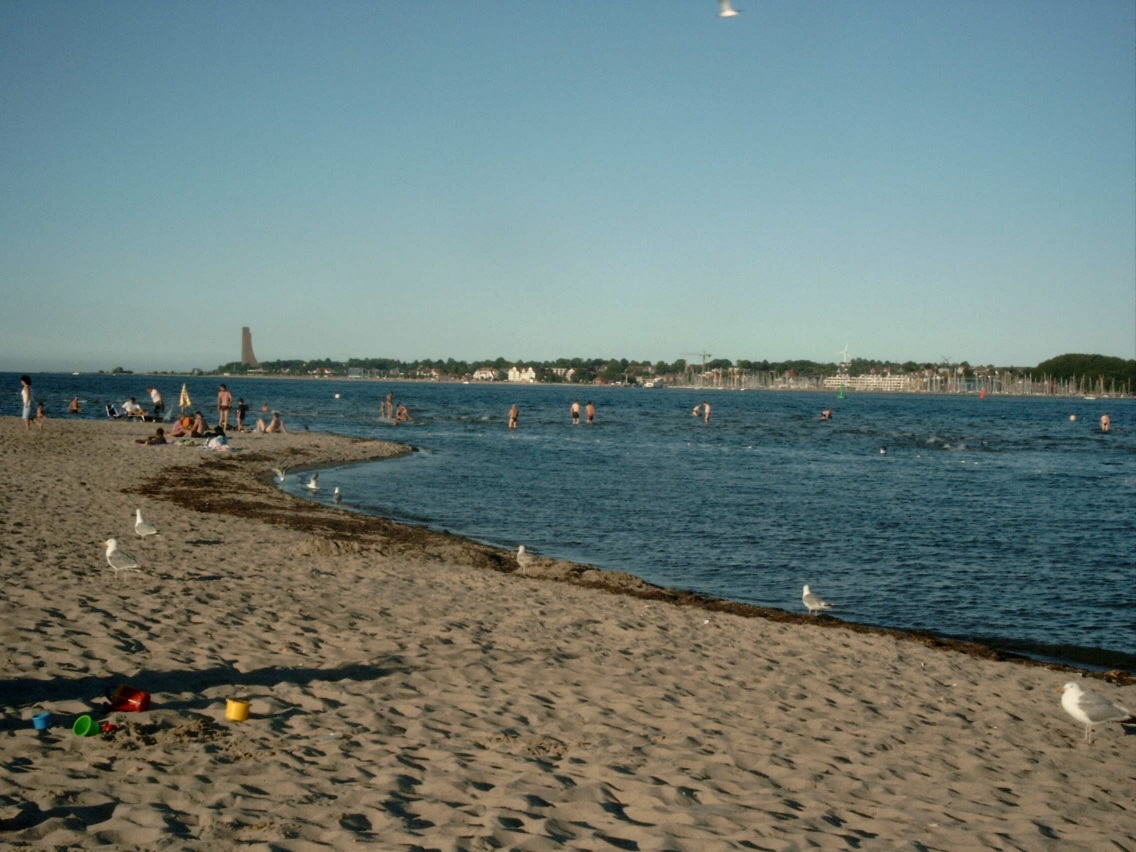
x,y
726,10
280,472
1090,708
143,527
120,560
814,602
313,483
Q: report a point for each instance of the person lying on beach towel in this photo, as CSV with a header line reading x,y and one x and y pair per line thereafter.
x,y
159,437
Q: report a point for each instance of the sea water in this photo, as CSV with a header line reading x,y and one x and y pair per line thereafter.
x,y
1008,520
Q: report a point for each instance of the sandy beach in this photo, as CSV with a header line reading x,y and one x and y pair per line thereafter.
x,y
413,690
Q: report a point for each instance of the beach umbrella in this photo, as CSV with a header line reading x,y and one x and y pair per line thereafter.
x,y
184,401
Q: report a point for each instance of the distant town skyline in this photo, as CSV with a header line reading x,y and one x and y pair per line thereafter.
x,y
911,178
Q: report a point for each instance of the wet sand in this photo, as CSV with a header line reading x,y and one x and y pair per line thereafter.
x,y
414,690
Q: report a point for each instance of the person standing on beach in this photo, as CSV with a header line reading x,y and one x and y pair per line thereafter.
x,y
40,416
242,410
224,403
26,399
159,403
575,412
590,412
513,414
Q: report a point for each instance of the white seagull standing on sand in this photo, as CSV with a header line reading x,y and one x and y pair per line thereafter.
x,y
727,11
313,483
1090,708
143,527
120,560
524,559
814,602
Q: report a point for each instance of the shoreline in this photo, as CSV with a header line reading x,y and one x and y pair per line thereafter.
x,y
552,569
557,570
402,694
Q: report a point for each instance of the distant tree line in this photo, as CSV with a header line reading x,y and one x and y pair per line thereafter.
x,y
1087,370
1090,369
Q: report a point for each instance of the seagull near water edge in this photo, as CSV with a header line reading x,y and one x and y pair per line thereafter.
x,y
313,483
120,560
524,558
814,602
1091,708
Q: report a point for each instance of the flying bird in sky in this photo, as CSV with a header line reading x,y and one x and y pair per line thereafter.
x,y
726,10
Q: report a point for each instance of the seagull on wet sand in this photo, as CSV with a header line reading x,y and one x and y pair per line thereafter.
x,y
814,602
143,527
524,559
726,10
1090,708
120,560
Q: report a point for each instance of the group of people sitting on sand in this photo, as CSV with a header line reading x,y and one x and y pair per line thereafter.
x,y
193,426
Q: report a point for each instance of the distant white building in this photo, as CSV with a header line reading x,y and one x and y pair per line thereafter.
x,y
522,374
871,382
485,374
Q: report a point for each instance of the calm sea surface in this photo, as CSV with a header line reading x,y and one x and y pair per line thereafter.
x,y
999,519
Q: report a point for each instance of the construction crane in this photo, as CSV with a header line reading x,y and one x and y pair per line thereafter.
x,y
703,355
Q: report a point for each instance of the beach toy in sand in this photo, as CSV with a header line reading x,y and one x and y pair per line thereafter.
x,y
236,710
41,721
85,726
128,699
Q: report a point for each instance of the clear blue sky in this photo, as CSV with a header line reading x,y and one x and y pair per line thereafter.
x,y
537,179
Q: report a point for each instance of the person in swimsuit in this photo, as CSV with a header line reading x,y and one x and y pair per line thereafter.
x,y
224,404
